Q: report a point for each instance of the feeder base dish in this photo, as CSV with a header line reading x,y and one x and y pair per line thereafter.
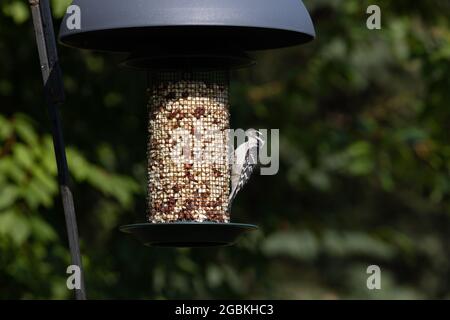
x,y
187,234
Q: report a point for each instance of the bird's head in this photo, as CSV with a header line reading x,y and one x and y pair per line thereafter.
x,y
255,137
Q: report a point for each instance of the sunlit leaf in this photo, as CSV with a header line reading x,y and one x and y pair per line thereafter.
x,y
8,195
17,10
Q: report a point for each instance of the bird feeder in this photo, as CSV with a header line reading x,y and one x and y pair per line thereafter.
x,y
188,49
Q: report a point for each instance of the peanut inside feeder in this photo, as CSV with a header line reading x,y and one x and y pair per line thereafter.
x,y
188,164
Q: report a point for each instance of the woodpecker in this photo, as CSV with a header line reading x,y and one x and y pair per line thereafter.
x,y
245,159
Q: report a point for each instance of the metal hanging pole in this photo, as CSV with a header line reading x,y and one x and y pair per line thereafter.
x,y
54,92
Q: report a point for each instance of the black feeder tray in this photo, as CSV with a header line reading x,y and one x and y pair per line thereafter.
x,y
203,34
187,234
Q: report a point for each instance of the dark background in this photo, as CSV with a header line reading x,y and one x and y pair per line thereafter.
x,y
364,176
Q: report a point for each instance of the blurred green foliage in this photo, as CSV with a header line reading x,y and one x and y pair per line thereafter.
x,y
364,175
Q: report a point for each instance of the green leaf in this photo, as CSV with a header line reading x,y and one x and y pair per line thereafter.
x,y
23,156
17,10
361,167
41,229
214,276
60,7
78,165
355,243
15,226
319,179
299,245
359,149
360,158
48,181
43,195
14,172
5,128
8,195
47,156
24,129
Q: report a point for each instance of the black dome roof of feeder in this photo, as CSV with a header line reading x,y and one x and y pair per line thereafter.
x,y
206,34
128,26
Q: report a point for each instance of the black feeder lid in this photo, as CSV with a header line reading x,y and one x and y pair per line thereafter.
x,y
133,25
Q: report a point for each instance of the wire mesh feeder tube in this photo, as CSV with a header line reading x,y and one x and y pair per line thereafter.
x,y
188,163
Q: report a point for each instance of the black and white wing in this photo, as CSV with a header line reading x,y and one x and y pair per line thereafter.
x,y
245,161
